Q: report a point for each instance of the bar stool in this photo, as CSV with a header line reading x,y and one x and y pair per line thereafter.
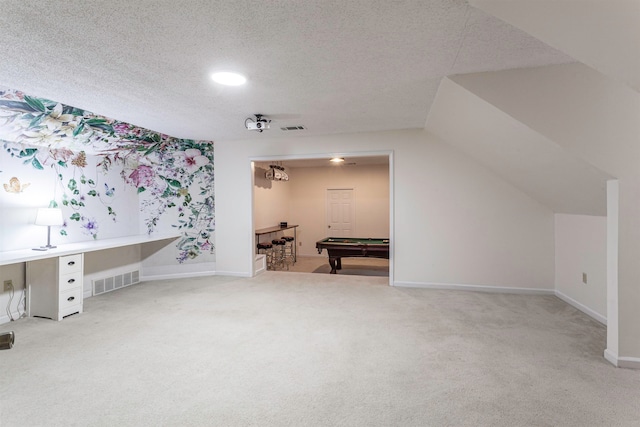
x,y
278,254
266,248
289,249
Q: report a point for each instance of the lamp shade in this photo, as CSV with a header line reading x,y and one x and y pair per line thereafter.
x,y
49,216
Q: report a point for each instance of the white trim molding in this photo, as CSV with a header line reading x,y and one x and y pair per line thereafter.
x,y
511,290
583,308
233,273
622,362
477,288
183,271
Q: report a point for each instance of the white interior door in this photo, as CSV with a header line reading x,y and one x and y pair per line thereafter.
x,y
341,213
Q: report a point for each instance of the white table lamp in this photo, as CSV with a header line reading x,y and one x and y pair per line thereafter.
x,y
48,217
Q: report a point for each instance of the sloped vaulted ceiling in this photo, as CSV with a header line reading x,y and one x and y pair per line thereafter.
x,y
558,132
535,164
604,35
588,114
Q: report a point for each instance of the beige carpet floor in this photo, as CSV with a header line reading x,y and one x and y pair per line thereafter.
x,y
292,349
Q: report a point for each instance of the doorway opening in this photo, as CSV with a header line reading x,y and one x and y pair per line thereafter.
x,y
301,203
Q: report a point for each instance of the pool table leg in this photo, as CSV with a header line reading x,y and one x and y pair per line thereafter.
x,y
335,263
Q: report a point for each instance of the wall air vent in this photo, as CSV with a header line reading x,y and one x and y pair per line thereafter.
x,y
288,128
108,284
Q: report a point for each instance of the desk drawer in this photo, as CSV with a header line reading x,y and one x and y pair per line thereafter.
x,y
70,281
70,264
70,298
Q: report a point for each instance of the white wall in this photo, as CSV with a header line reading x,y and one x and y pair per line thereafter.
x,y
596,118
581,247
455,221
535,164
308,201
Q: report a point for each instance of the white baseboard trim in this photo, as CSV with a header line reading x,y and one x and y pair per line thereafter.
x,y
477,288
232,273
629,362
622,362
260,264
583,308
611,357
165,273
162,272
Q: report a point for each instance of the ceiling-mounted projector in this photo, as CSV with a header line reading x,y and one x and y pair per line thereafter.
x,y
259,124
276,173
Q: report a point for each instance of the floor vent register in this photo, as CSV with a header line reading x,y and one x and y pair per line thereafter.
x,y
108,284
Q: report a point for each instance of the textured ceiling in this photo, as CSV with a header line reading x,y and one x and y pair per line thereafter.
x,y
332,66
604,35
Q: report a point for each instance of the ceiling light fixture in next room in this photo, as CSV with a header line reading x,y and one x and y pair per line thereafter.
x,y
337,160
229,79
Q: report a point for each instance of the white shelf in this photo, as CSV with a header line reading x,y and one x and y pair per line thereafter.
x,y
25,255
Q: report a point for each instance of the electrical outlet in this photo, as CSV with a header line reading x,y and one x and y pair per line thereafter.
x,y
8,285
584,278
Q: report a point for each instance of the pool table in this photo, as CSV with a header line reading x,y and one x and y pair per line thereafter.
x,y
339,247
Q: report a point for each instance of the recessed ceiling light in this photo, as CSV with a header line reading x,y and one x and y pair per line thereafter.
x,y
337,160
229,79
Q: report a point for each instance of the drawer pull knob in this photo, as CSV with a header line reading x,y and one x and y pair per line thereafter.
x,y
71,280
71,263
71,299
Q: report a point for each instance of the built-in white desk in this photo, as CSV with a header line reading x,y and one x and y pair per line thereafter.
x,y
54,278
26,255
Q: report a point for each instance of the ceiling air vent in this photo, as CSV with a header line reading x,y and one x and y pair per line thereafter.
x,y
288,128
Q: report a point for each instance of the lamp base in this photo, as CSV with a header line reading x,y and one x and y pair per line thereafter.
x,y
44,248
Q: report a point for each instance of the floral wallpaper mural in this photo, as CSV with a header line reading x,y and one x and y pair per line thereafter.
x,y
172,177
